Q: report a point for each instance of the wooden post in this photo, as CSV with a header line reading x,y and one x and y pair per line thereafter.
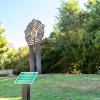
x,y
25,92
38,58
26,87
31,58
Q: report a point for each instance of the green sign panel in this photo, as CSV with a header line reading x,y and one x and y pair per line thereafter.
x,y
26,77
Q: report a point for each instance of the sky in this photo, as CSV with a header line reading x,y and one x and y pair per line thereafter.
x,y
16,14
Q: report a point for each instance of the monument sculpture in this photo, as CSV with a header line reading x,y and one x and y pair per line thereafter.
x,y
33,35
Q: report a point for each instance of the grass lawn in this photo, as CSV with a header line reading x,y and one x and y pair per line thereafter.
x,y
54,87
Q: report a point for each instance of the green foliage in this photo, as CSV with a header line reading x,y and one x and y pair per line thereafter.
x,y
21,60
67,15
11,58
74,45
17,60
1,30
10,61
3,48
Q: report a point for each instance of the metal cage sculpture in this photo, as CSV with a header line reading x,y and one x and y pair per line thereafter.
x,y
33,35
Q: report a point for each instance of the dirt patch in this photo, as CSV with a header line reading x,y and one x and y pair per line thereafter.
x,y
79,85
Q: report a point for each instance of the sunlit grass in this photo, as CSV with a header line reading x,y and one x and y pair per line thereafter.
x,y
54,87
17,98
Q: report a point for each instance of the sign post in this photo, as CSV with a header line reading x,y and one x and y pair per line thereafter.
x,y
26,78
25,92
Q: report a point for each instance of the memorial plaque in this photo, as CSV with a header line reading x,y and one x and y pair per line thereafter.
x,y
26,77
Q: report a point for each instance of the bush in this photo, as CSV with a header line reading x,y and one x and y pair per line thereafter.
x,y
17,70
3,75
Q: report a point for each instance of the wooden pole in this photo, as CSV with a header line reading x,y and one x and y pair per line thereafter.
x,y
25,92
26,87
31,58
38,58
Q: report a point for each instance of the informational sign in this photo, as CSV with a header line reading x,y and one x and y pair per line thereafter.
x,y
26,77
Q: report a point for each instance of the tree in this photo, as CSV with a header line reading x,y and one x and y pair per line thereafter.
x,y
22,60
91,40
3,48
74,43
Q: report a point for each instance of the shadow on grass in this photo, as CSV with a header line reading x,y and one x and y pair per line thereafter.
x,y
16,98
